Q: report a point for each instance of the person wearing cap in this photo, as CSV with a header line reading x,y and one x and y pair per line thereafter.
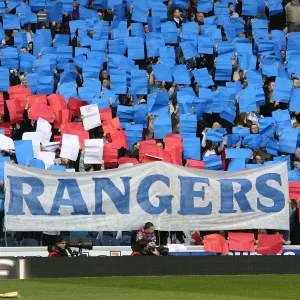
x,y
59,248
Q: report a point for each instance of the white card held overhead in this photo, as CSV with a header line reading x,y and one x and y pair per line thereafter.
x,y
47,158
93,151
6,143
70,147
51,146
91,116
43,125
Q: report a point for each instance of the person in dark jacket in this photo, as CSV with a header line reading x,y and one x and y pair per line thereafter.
x,y
59,249
278,21
141,248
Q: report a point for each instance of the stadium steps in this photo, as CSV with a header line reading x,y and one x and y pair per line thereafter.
x,y
42,16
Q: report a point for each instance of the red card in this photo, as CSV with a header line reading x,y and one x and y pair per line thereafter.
x,y
128,160
1,104
74,106
76,128
119,139
41,111
215,243
105,114
65,116
57,102
37,99
6,127
163,154
111,126
14,91
71,127
15,111
176,156
294,190
197,164
173,140
147,147
269,243
239,241
110,156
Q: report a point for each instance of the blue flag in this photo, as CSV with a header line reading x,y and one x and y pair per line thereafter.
x,y
205,6
294,102
57,168
238,153
136,48
137,30
118,84
202,77
191,148
282,90
213,162
140,12
162,126
250,8
162,73
181,75
223,68
247,100
37,164
189,50
11,22
54,11
134,134
205,45
288,140
188,125
24,152
237,164
169,32
139,82
4,79
2,164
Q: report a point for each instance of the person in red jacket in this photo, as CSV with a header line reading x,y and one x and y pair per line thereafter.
x,y
59,249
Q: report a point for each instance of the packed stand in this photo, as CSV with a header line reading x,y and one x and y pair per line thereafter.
x,y
203,84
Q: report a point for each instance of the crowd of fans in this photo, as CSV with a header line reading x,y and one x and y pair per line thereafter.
x,y
177,81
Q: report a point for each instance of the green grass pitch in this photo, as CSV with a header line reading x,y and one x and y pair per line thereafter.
x,y
283,287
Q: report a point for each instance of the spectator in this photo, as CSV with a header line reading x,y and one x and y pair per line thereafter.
x,y
277,21
232,13
146,233
292,10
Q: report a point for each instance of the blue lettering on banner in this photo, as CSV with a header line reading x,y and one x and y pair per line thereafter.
x,y
187,204
165,202
227,195
75,200
120,201
270,192
17,195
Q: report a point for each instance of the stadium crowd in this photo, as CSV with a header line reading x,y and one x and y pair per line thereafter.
x,y
177,81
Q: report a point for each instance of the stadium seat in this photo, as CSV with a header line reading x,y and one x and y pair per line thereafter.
x,y
95,242
109,241
9,241
126,238
29,243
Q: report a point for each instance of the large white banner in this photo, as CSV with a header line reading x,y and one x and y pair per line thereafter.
x,y
170,196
